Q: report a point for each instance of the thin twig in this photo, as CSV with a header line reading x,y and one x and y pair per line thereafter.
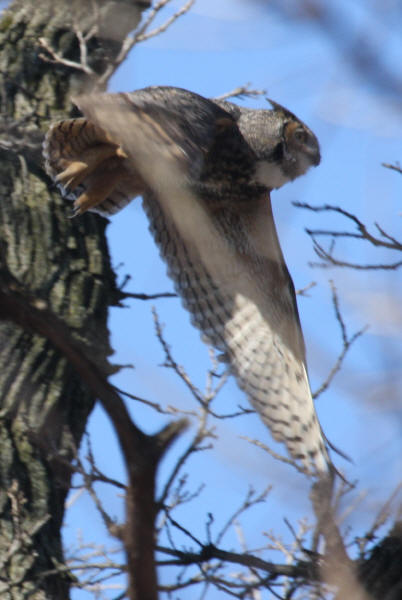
x,y
381,517
141,35
385,241
56,58
346,341
204,400
274,454
154,405
303,291
242,91
250,500
395,167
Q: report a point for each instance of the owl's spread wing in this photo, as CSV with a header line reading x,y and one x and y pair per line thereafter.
x,y
234,300
217,234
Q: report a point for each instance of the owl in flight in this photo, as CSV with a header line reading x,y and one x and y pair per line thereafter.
x,y
205,170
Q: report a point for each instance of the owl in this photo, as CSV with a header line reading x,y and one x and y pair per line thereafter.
x,y
205,170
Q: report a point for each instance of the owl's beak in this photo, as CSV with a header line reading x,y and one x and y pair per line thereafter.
x,y
316,157
313,152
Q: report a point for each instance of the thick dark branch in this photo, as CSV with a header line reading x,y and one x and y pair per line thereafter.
x,y
302,570
149,296
142,453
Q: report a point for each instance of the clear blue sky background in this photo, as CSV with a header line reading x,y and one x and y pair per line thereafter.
x,y
213,49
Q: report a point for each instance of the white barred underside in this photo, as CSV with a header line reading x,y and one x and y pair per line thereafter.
x,y
265,368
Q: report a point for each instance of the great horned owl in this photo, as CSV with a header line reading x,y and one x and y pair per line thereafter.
x,y
205,170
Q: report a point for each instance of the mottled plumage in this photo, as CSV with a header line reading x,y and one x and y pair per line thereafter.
x,y
205,170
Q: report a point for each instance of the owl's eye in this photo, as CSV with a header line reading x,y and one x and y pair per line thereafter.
x,y
300,135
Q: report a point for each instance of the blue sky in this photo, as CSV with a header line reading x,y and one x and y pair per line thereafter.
x,y
211,50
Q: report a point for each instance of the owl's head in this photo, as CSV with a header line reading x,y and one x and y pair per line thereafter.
x,y
298,145
285,147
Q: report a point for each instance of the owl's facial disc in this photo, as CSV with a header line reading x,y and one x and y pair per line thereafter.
x,y
302,150
292,156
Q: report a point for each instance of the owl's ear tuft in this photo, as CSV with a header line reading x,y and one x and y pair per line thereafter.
x,y
281,109
275,105
271,102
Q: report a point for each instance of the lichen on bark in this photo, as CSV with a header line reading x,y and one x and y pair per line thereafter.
x,y
65,264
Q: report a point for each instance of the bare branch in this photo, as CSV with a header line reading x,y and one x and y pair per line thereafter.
x,y
194,446
386,241
274,454
149,296
364,233
346,341
154,405
143,34
380,519
141,452
242,91
205,400
56,58
395,167
210,552
303,291
112,527
250,500
332,261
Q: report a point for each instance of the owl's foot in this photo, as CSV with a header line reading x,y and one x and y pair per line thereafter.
x,y
92,158
102,185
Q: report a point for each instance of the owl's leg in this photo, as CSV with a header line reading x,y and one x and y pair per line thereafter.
x,y
102,185
90,159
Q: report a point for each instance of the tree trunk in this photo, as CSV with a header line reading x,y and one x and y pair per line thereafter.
x,y
65,264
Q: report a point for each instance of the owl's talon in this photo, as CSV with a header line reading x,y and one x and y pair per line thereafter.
x,y
73,175
101,187
78,170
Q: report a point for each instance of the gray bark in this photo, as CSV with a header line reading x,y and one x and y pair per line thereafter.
x,y
65,264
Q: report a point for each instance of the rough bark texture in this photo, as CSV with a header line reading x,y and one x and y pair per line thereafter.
x,y
65,264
